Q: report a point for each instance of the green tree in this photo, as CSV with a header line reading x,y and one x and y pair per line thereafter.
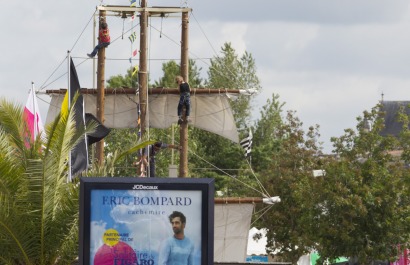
x,y
171,69
265,139
212,152
38,208
118,141
363,208
286,156
120,81
231,72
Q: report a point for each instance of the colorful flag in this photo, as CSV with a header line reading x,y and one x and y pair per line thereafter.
x,y
133,2
246,144
132,18
133,37
135,70
134,53
33,119
79,154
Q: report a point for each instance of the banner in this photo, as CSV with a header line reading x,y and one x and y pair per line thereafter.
x,y
145,222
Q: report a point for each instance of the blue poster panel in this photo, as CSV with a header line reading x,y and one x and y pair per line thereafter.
x,y
146,221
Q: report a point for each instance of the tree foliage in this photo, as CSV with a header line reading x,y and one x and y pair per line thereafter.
x,y
119,81
287,157
358,209
228,71
171,69
38,208
363,208
222,159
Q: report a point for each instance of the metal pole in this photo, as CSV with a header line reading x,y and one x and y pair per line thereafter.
x,y
70,177
100,94
94,33
35,125
173,143
183,129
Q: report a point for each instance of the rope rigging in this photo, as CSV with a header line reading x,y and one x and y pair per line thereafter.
x,y
72,48
263,192
223,72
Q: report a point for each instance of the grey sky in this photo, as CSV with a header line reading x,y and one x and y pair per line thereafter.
x,y
329,60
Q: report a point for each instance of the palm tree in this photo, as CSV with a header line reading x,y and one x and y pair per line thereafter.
x,y
39,210
38,207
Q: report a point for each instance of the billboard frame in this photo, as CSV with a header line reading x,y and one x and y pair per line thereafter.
x,y
204,185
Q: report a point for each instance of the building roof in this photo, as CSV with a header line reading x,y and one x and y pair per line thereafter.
x,y
391,108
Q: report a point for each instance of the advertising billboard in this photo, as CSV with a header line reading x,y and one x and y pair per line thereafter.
x,y
146,221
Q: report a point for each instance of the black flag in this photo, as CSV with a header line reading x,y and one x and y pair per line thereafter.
x,y
79,154
100,132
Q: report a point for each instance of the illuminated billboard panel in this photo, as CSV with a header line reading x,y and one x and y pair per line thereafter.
x,y
146,221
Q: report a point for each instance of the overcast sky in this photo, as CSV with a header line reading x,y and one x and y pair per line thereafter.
x,y
329,60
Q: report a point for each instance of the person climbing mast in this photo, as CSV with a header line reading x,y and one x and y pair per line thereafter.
x,y
103,39
184,98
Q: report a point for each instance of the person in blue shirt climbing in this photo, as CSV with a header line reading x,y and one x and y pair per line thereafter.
x,y
178,249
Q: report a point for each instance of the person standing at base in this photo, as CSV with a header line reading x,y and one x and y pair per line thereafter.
x,y
103,39
178,249
150,151
184,98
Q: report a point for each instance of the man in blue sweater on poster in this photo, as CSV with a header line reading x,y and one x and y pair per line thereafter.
x,y
178,249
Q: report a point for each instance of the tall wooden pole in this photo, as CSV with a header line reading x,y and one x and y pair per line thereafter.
x,y
99,151
142,74
183,130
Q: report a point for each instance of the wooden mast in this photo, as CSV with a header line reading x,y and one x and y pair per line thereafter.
x,y
99,151
183,129
142,74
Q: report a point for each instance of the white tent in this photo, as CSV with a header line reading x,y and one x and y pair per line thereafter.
x,y
257,247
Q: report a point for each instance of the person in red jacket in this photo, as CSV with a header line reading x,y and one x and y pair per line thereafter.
x,y
103,39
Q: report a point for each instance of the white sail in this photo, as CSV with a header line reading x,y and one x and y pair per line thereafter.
x,y
210,112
